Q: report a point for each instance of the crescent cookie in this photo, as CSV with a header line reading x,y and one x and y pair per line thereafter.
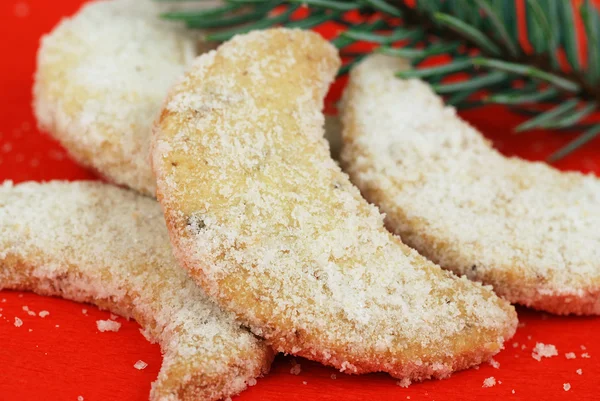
x,y
265,221
92,242
101,78
525,228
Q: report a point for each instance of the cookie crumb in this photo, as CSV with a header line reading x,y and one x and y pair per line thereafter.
x,y
567,386
252,382
579,372
139,365
494,363
18,322
43,313
489,382
542,350
583,348
404,382
108,325
585,355
513,391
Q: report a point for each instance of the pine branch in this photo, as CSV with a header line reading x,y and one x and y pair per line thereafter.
x,y
481,36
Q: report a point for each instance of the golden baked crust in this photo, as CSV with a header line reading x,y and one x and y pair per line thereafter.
x,y
528,229
92,242
270,227
100,81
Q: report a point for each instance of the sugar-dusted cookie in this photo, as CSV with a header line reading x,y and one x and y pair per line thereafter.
x,y
526,228
101,78
92,242
267,223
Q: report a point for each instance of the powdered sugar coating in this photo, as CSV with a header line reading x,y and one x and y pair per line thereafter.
x,y
267,223
92,242
525,228
101,78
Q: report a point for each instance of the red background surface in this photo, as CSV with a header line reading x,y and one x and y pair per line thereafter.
x,y
63,356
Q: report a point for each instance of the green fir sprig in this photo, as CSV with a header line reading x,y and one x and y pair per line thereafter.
x,y
545,79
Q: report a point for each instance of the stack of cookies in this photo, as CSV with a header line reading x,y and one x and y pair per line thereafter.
x,y
259,243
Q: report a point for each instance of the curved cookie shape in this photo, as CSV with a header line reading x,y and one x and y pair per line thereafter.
x,y
92,242
526,228
267,223
101,78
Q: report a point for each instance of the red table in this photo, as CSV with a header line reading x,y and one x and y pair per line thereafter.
x,y
63,356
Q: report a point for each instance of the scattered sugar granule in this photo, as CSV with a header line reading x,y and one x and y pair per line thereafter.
x,y
494,363
296,369
499,381
57,326
585,355
18,322
489,382
529,337
523,346
84,311
567,386
579,372
542,350
333,376
139,365
252,382
30,330
408,397
43,313
80,398
513,391
404,382
108,325
570,355
583,348
304,383
515,345
3,300
113,317
29,311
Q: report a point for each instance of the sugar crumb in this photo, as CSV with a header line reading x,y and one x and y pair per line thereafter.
x,y
108,325
567,386
513,391
139,365
113,316
542,350
515,345
579,372
570,355
18,322
304,383
57,325
43,313
489,382
585,355
80,398
583,348
494,363
84,311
